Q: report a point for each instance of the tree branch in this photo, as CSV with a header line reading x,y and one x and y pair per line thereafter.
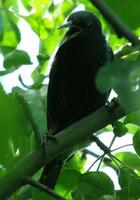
x,y
119,26
44,188
126,50
73,138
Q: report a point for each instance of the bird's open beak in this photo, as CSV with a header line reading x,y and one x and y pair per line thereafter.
x,y
69,24
66,25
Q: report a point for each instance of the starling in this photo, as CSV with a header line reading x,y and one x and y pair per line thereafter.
x,y
72,92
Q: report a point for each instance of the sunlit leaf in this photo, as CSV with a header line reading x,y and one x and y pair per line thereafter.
x,y
129,159
41,26
67,181
95,184
15,129
40,6
38,78
8,3
123,77
26,4
36,106
132,128
77,162
124,176
16,58
133,117
10,35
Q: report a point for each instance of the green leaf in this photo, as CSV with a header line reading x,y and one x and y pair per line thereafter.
x,y
130,159
124,176
129,183
40,6
132,128
8,71
16,58
38,78
123,194
128,17
37,106
114,41
40,195
77,162
76,195
67,181
6,4
2,170
95,184
15,28
123,77
27,5
133,117
136,142
6,49
109,197
134,188
15,130
41,26
1,25
10,34
43,58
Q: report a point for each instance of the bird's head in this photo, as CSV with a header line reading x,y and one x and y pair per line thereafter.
x,y
82,21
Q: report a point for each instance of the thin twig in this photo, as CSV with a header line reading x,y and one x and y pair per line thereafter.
x,y
112,141
114,158
126,145
107,161
127,50
100,162
118,25
106,151
44,188
101,145
86,151
94,162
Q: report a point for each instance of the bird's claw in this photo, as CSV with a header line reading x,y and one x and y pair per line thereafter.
x,y
46,137
111,105
44,144
51,137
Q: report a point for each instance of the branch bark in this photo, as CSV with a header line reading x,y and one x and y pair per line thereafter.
x,y
119,26
71,139
44,188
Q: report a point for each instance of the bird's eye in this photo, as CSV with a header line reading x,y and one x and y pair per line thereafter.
x,y
89,22
76,21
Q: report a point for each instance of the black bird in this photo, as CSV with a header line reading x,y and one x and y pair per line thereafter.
x,y
72,92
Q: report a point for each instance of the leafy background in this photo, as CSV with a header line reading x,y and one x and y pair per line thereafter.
x,y
25,104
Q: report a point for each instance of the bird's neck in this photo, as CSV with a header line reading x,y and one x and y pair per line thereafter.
x,y
96,37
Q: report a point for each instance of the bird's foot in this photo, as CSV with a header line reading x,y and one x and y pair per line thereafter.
x,y
47,137
51,137
111,105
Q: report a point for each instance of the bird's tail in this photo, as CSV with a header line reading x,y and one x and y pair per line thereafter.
x,y
50,173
